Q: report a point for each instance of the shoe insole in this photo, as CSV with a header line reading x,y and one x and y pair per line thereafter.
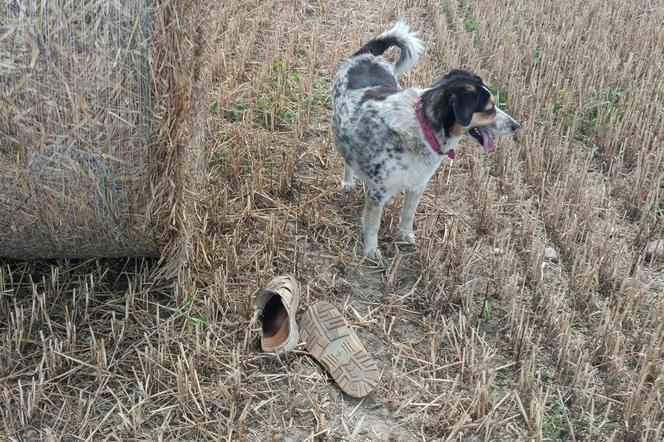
x,y
276,325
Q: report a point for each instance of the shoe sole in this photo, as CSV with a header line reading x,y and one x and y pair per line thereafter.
x,y
330,340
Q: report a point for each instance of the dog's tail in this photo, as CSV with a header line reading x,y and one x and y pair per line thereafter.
x,y
400,35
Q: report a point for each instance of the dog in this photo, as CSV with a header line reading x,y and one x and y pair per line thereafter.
x,y
394,139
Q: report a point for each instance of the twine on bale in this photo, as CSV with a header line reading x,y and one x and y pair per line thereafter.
x,y
83,84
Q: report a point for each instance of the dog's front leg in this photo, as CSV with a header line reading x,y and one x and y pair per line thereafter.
x,y
411,199
373,209
349,178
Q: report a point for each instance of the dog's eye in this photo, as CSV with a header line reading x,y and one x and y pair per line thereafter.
x,y
491,111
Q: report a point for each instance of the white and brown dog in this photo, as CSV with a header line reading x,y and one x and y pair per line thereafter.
x,y
394,139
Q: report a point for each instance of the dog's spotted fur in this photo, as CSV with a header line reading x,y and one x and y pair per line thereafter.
x,y
377,133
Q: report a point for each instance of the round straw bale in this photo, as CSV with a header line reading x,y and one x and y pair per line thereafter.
x,y
82,86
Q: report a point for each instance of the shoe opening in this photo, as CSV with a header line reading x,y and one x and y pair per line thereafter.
x,y
275,322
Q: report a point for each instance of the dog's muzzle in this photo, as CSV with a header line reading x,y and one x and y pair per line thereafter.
x,y
504,124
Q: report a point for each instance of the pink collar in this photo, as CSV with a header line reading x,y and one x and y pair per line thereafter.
x,y
428,133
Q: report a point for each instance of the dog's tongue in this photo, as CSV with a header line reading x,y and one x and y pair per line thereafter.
x,y
487,141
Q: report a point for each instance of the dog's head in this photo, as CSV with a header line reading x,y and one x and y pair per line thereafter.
x,y
461,104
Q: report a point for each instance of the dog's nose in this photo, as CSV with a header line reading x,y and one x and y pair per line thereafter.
x,y
514,126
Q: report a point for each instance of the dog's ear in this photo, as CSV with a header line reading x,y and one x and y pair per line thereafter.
x,y
463,106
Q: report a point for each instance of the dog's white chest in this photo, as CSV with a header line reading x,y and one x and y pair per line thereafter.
x,y
408,175
413,171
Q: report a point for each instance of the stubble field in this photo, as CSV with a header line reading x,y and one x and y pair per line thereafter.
x,y
479,336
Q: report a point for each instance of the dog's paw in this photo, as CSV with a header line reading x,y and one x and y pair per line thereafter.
x,y
347,185
373,254
407,236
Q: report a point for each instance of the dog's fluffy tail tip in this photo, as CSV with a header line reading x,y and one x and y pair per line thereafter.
x,y
401,36
402,27
408,42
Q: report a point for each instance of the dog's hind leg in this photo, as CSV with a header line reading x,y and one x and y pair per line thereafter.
x,y
373,210
411,199
349,177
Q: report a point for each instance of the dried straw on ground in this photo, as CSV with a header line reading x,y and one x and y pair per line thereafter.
x,y
90,92
480,337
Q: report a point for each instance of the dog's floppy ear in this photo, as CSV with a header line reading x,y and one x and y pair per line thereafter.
x,y
463,106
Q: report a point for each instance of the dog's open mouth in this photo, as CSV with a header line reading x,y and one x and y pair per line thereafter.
x,y
483,136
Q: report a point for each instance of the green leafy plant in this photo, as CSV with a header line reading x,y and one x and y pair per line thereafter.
x,y
560,110
321,95
220,156
499,93
265,109
559,104
197,320
487,311
606,102
555,426
537,56
222,136
470,25
287,116
237,114
657,208
278,64
264,103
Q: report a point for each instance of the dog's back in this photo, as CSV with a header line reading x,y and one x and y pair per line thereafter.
x,y
362,83
367,69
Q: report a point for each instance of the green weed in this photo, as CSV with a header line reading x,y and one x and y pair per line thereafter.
x,y
237,114
537,56
555,426
222,136
487,311
499,93
560,110
278,64
321,96
657,208
200,321
273,116
607,101
470,25
219,157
